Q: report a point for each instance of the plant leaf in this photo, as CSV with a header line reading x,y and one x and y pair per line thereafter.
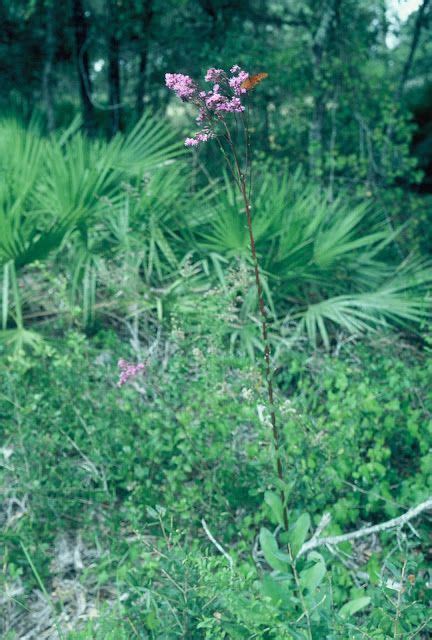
x,y
276,506
351,607
311,577
273,556
298,532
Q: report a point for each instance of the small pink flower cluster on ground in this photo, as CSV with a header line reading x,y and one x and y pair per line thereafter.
x,y
128,370
225,97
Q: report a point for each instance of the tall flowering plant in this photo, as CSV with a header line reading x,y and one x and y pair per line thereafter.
x,y
221,115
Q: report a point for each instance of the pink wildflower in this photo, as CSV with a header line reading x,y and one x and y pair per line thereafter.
x,y
191,142
202,115
236,82
201,136
204,135
128,370
210,104
214,99
234,105
214,75
183,86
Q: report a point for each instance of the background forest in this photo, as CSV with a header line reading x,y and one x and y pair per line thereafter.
x,y
153,511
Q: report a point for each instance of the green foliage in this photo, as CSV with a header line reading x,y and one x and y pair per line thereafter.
x,y
154,511
52,188
328,264
132,472
119,223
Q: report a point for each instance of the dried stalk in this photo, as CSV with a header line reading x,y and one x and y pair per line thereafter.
x,y
315,541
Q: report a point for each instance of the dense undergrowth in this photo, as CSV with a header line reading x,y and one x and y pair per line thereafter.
x,y
136,513
93,230
105,490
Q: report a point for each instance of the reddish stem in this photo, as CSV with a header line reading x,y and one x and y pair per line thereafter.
x,y
241,182
264,330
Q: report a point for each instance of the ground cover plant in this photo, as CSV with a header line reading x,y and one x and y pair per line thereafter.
x,y
113,525
215,341
201,495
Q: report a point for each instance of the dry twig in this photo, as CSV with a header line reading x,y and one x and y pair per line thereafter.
x,y
315,541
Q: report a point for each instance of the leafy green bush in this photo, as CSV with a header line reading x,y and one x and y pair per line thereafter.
x,y
131,474
329,264
116,223
51,188
365,422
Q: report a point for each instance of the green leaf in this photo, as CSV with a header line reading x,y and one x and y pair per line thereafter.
x,y
351,607
298,532
276,506
152,512
311,577
275,558
276,590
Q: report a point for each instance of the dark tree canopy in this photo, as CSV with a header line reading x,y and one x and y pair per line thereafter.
x,y
348,94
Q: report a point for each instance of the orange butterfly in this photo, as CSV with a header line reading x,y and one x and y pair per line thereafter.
x,y
252,81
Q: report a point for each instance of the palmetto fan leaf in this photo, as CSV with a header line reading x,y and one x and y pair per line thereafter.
x,y
328,264
21,155
50,188
362,312
148,219
150,144
225,231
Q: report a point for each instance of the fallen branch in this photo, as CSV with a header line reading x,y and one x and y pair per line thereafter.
x,y
218,546
315,541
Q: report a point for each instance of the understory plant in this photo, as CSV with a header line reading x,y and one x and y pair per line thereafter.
x,y
223,117
296,582
95,232
54,192
86,470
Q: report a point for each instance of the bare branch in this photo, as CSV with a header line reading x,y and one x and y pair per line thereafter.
x,y
218,546
412,513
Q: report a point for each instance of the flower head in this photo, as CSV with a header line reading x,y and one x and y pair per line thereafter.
x,y
233,106
202,115
204,135
236,81
191,142
201,136
214,75
224,97
183,86
128,370
214,98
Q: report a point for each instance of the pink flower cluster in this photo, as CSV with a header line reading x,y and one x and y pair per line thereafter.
x,y
214,75
201,136
128,370
183,86
225,97
237,80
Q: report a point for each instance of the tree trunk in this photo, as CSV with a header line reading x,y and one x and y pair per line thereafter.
x,y
315,150
421,19
319,44
47,77
80,27
114,90
419,23
147,17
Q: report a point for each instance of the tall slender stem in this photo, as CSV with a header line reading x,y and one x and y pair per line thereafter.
x,y
242,184
264,330
17,298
